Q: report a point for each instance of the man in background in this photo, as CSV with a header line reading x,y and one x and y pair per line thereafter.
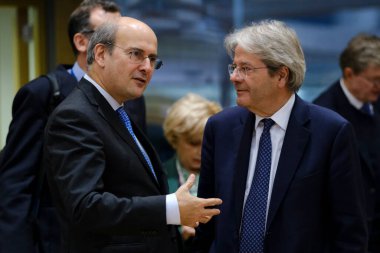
x,y
28,221
354,96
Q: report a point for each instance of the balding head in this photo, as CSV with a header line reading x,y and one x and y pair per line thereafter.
x,y
122,56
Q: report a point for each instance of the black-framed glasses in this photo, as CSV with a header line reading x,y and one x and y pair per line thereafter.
x,y
242,72
137,56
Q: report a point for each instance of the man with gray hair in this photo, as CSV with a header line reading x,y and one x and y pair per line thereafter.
x,y
285,169
354,97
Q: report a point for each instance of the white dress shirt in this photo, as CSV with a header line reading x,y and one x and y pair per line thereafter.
x,y
172,209
351,98
277,134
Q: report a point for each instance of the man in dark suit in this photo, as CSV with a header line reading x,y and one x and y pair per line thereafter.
x,y
356,91
26,225
106,178
285,169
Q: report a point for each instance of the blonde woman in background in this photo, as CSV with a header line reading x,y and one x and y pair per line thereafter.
x,y
183,129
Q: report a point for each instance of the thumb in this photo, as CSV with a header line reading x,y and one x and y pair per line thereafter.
x,y
190,182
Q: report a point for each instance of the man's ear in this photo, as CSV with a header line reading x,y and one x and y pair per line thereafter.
x,y
80,42
100,52
283,76
348,73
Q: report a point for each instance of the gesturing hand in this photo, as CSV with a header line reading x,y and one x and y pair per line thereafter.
x,y
193,209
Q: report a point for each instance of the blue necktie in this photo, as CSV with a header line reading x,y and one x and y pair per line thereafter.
x,y
127,122
366,109
254,216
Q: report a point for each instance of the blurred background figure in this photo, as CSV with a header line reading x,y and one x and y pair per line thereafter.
x,y
183,129
354,96
28,221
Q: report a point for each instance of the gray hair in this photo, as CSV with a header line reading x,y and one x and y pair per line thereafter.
x,y
276,44
362,51
104,34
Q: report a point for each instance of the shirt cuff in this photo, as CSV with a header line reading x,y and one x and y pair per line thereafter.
x,y
172,210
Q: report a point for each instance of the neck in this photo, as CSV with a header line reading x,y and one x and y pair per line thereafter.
x,y
271,106
82,62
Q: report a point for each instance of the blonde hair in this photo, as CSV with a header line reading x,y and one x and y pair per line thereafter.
x,y
187,118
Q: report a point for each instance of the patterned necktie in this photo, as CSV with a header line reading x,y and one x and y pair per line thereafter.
x,y
255,209
366,109
127,122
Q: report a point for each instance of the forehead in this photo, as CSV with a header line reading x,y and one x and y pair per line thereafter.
x,y
242,56
137,36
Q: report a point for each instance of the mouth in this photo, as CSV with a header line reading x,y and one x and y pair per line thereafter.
x,y
140,80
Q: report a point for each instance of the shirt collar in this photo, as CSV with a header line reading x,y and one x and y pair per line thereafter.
x,y
281,117
115,105
353,100
77,72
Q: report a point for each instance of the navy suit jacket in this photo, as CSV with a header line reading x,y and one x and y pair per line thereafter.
x,y
106,196
316,203
367,131
21,162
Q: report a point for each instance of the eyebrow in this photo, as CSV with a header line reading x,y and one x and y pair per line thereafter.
x,y
140,50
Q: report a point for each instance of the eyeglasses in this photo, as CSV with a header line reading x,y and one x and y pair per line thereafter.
x,y
136,56
375,82
242,72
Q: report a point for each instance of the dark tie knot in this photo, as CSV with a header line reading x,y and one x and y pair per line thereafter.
x,y
268,123
366,108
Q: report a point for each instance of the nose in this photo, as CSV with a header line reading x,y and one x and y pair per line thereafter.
x,y
146,64
235,76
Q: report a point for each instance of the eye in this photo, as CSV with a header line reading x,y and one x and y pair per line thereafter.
x,y
246,69
152,58
136,54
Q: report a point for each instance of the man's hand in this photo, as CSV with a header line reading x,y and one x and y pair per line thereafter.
x,y
192,209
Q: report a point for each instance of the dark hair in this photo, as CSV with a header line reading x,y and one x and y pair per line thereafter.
x,y
79,21
362,51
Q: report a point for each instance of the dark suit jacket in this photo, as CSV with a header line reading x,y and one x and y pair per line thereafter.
x,y
316,202
21,162
367,131
106,196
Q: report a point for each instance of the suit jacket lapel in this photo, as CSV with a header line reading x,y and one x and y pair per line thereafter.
x,y
295,141
243,146
107,112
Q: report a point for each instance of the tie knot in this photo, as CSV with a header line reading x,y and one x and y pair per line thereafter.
x,y
268,123
366,108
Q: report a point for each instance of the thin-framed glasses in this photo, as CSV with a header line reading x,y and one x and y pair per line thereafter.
x,y
375,82
242,72
136,56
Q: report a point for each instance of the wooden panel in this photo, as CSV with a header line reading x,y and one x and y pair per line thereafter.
x,y
63,9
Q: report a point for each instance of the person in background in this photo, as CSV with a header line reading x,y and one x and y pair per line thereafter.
x,y
286,170
183,129
105,177
28,221
354,96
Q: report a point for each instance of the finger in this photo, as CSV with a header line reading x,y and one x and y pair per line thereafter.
x,y
211,202
190,182
205,219
210,212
